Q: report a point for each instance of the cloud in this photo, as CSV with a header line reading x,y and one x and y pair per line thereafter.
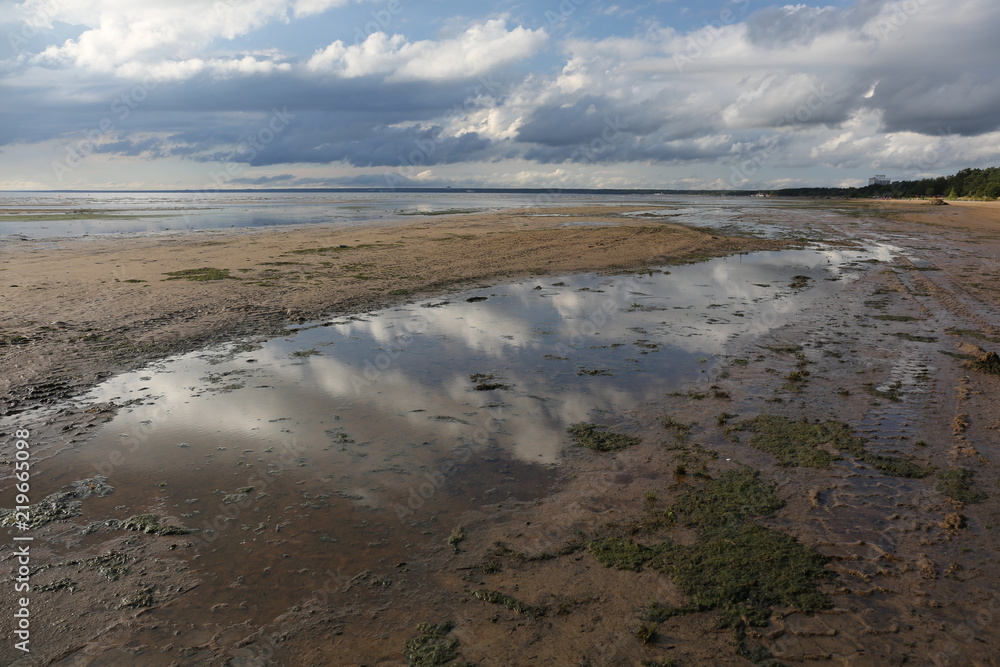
x,y
127,37
906,85
313,7
798,74
216,67
478,50
800,25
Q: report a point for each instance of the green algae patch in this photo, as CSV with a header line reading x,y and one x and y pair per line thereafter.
x,y
150,523
488,382
113,565
457,537
682,430
58,506
735,566
988,363
515,605
12,338
801,443
895,466
795,443
916,339
957,484
589,436
199,275
744,570
620,554
646,633
974,334
736,496
327,249
431,647
898,318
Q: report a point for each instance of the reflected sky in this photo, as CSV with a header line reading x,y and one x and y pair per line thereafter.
x,y
347,441
395,385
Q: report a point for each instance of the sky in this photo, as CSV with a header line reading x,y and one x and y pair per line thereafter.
x,y
660,94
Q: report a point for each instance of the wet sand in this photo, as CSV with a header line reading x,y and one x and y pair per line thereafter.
x,y
76,310
914,572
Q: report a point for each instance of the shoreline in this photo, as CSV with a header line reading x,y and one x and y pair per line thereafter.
x,y
81,311
910,563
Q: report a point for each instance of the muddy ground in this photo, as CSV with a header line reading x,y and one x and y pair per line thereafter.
x,y
849,462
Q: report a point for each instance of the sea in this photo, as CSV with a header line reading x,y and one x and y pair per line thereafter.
x,y
54,214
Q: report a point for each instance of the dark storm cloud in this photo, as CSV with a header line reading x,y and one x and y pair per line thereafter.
x,y
293,181
930,80
600,130
585,120
314,137
364,121
930,106
146,147
389,181
278,180
625,148
319,139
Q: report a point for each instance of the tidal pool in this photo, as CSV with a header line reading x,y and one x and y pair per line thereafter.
x,y
348,441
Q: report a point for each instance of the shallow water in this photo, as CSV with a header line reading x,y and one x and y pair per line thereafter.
x,y
346,442
73,215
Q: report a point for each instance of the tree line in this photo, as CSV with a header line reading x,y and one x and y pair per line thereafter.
x,y
967,184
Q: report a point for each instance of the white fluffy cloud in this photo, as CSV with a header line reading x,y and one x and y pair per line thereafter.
x,y
476,51
312,7
123,36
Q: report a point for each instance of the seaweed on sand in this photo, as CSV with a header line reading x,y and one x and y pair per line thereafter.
x,y
957,484
987,363
588,435
802,443
431,648
58,506
735,566
150,523
515,605
200,275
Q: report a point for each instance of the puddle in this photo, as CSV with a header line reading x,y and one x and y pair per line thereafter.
x,y
347,442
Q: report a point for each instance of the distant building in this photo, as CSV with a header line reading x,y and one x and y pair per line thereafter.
x,y
879,179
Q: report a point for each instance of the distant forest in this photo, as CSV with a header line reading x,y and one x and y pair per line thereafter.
x,y
968,184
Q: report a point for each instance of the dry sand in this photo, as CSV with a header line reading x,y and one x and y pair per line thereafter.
x,y
915,574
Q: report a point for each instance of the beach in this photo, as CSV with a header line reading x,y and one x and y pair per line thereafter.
x,y
109,304
889,523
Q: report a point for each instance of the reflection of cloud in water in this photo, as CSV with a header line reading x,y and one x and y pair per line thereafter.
x,y
392,380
